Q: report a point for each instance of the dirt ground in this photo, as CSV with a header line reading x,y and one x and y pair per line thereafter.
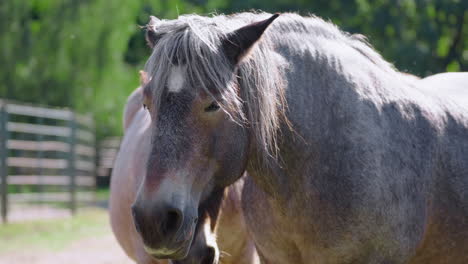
x,y
94,242
97,250
20,213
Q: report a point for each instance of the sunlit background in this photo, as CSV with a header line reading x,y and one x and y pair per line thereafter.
x,y
67,66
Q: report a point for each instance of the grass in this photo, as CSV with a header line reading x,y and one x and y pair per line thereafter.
x,y
53,234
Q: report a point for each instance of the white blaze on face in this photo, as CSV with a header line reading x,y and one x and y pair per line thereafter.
x,y
176,79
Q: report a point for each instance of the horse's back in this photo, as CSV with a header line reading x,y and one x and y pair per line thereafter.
x,y
453,85
447,79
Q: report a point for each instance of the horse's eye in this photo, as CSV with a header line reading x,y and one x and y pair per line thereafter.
x,y
146,102
212,107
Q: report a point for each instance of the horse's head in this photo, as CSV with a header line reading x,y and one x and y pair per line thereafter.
x,y
199,139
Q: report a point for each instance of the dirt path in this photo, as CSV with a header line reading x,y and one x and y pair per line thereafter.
x,y
97,250
21,213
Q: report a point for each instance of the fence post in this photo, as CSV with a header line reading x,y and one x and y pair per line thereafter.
x,y
71,162
40,156
94,160
3,160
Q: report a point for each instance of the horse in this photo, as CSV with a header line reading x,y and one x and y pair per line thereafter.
x,y
124,182
358,164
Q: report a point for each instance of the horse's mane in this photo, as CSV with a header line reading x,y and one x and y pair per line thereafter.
x,y
196,41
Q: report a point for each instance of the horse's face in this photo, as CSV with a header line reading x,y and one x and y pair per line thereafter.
x,y
197,148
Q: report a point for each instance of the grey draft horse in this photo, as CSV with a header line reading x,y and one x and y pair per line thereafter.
x,y
357,163
222,237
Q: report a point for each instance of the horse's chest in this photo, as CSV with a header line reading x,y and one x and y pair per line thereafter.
x,y
273,236
285,237
282,233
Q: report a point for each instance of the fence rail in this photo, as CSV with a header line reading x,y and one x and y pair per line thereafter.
x,y
50,151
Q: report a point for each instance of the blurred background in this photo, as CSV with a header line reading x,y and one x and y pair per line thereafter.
x,y
67,66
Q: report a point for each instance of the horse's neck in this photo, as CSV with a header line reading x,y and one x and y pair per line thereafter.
x,y
327,87
334,98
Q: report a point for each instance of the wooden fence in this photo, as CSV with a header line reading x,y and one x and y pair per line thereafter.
x,y
46,156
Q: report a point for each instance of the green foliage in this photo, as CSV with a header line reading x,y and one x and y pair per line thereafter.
x,y
85,54
422,37
75,53
68,53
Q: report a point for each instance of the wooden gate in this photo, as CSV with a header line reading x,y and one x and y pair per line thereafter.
x,y
46,156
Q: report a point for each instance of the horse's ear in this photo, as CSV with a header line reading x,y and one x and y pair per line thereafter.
x,y
238,43
144,79
151,36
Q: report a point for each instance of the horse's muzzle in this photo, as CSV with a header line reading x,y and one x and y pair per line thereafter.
x,y
167,232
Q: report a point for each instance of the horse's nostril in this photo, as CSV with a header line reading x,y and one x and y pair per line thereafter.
x,y
209,256
172,222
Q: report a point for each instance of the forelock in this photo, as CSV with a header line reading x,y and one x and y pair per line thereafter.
x,y
194,43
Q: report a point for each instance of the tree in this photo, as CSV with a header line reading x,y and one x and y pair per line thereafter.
x,y
85,54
